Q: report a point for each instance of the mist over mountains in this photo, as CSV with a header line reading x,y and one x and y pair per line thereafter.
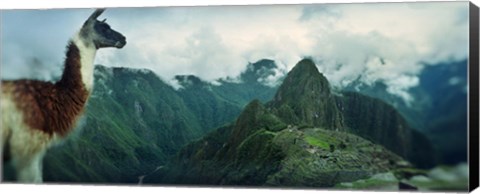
x,y
135,122
439,109
336,133
138,128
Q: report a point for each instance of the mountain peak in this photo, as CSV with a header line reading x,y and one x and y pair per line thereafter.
x,y
264,63
305,65
305,98
189,80
303,79
258,70
305,72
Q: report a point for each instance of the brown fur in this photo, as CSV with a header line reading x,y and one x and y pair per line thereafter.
x,y
52,107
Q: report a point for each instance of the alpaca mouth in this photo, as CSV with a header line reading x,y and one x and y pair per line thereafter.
x,y
120,44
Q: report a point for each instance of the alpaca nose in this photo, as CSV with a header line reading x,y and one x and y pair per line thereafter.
x,y
121,43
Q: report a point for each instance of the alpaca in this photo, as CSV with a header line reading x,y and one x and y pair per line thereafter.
x,y
36,114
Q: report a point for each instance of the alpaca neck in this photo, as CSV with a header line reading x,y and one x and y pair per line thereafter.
x,y
79,63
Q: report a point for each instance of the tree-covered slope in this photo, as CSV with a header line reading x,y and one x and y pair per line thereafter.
x,y
305,136
379,122
305,98
251,84
134,122
260,150
439,108
207,106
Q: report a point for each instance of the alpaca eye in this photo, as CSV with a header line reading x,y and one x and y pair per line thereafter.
x,y
105,28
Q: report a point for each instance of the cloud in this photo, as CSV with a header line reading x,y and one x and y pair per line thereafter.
x,y
33,41
210,42
390,42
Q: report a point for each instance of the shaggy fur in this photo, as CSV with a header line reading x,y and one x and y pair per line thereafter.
x,y
35,114
51,108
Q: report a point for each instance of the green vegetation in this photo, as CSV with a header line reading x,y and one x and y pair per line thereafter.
x,y
304,98
306,136
127,130
248,85
271,123
431,111
317,142
256,158
370,117
309,162
135,123
300,138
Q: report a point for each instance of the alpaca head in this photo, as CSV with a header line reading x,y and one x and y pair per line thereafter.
x,y
100,34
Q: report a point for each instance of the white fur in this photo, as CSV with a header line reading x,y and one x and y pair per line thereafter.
x,y
87,57
27,146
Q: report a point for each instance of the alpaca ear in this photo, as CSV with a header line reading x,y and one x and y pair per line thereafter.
x,y
95,14
93,17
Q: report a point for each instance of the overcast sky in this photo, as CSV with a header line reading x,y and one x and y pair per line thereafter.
x,y
374,42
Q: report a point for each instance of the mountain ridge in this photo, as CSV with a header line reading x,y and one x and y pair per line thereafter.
x,y
251,152
305,98
143,121
110,150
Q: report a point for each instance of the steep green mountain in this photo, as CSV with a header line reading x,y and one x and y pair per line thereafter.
x,y
137,128
439,109
305,136
304,98
134,122
379,122
446,112
222,102
207,106
260,150
259,71
250,84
